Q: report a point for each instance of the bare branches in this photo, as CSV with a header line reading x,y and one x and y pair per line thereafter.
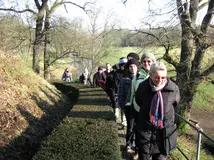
x,y
77,5
17,11
61,56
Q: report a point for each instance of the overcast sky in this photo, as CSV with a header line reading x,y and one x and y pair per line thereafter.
x,y
131,15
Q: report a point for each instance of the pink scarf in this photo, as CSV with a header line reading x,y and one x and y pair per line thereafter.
x,y
157,108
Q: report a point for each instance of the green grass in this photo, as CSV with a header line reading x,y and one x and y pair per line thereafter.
x,y
204,97
189,150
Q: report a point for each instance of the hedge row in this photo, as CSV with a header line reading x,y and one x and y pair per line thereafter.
x,y
88,132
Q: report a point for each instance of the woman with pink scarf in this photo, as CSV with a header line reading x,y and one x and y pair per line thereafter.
x,y
157,97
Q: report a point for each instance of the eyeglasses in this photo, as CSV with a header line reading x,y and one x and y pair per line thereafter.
x,y
148,61
160,78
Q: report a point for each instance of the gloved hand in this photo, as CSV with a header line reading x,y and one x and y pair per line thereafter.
x,y
115,97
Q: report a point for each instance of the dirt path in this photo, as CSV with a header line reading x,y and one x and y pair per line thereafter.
x,y
122,143
206,122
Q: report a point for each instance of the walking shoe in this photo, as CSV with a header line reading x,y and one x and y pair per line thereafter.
x,y
129,149
135,156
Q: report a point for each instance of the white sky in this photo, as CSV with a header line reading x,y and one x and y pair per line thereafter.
x,y
129,15
132,13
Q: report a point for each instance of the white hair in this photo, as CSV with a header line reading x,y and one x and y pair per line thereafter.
x,y
157,66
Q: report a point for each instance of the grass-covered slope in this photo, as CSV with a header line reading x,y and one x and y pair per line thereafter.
x,y
29,109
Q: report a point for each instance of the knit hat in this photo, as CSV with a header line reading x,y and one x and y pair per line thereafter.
x,y
132,61
133,55
148,55
123,60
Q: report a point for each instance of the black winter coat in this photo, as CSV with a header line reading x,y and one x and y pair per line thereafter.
x,y
146,130
123,90
98,76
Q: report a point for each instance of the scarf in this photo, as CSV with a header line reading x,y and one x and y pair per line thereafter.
x,y
157,108
130,94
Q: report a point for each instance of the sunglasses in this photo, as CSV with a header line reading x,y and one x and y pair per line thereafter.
x,y
160,78
147,61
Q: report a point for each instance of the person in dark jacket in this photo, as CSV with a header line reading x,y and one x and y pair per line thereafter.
x,y
67,75
146,61
157,97
126,103
99,78
112,83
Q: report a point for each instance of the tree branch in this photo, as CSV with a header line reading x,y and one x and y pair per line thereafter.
x,y
37,4
21,11
193,10
67,2
169,59
208,17
208,71
180,8
61,56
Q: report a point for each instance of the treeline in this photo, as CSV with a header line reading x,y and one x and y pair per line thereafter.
x,y
66,37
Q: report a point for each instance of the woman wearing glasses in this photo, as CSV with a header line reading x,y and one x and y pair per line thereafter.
x,y
145,63
157,97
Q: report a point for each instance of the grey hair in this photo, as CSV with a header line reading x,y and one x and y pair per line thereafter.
x,y
156,67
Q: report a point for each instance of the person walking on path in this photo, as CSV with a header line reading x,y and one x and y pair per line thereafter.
x,y
157,97
112,83
67,75
125,102
99,78
86,76
147,59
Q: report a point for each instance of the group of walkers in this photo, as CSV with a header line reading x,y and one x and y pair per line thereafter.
x,y
139,88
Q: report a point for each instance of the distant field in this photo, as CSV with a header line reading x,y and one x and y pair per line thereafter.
x,y
117,53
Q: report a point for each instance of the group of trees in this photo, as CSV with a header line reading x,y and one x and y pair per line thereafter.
x,y
42,11
58,38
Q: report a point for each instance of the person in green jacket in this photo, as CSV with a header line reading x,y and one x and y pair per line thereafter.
x,y
147,59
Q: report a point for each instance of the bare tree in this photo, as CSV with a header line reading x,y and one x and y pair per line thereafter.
x,y
43,15
194,43
102,35
195,40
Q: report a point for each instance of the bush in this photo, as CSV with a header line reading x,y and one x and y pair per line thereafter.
x,y
88,132
81,139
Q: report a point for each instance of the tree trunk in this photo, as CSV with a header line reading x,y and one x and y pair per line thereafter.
x,y
187,87
46,61
46,54
37,46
